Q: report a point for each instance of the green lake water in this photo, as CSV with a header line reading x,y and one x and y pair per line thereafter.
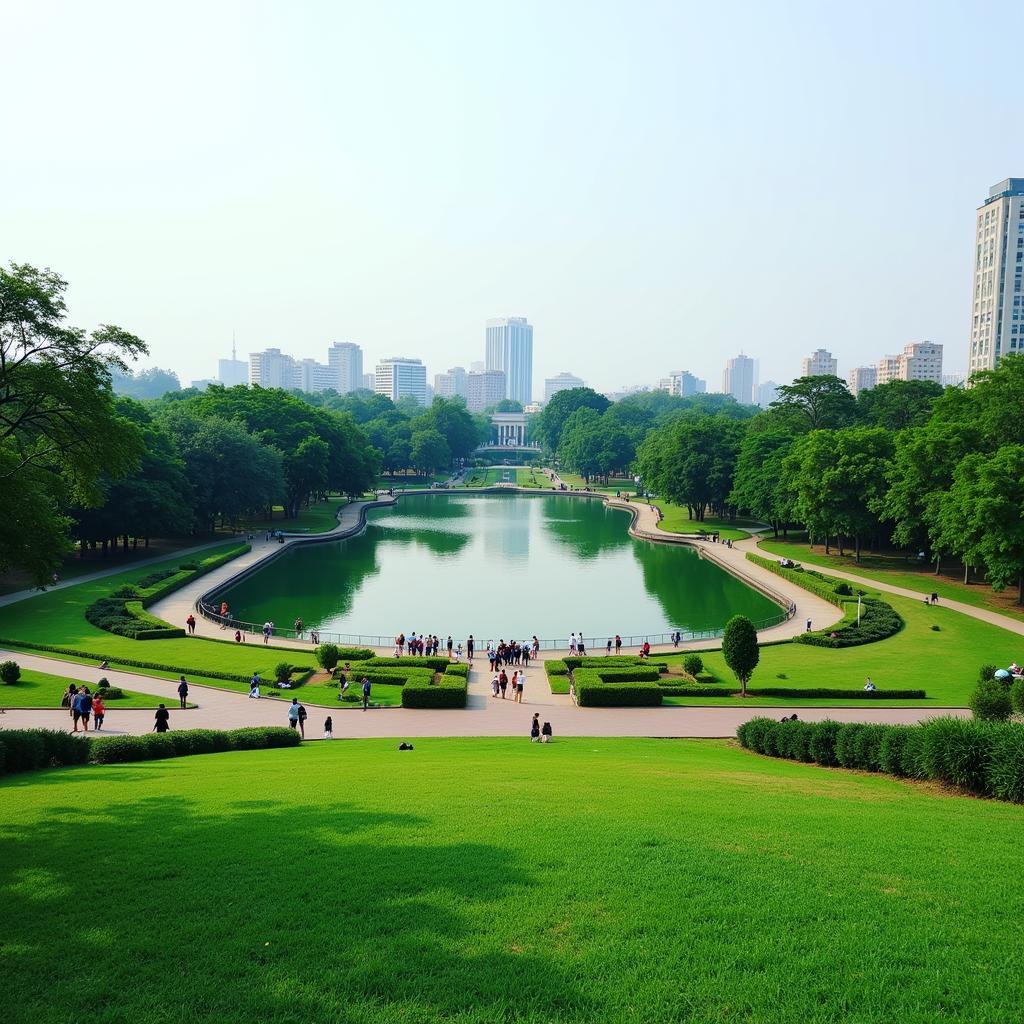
x,y
496,566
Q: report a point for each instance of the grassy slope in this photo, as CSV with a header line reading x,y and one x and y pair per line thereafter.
x,y
58,618
677,520
495,880
897,572
317,518
42,690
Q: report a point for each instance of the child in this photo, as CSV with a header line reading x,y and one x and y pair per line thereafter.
x,y
98,712
328,729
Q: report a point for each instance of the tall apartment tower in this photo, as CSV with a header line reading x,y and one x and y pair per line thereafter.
x,y
819,364
767,393
997,316
271,368
346,362
397,377
862,378
485,389
510,348
739,379
919,360
452,383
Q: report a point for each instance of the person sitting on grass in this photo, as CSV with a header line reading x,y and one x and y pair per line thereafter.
x,y
535,728
869,685
545,733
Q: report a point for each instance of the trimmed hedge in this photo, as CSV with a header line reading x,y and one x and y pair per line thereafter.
x,y
449,692
816,582
457,669
984,758
393,678
596,694
878,621
555,668
612,661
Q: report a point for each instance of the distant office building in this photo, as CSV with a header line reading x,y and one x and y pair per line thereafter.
x,y
477,366
997,307
231,372
861,378
485,389
271,368
767,393
204,382
919,360
451,383
369,381
682,383
739,379
397,377
953,380
820,363
346,362
563,382
510,348
312,376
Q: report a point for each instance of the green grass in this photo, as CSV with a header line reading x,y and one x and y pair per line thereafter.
x,y
42,690
944,664
496,881
614,484
57,618
898,572
494,475
677,520
383,695
319,517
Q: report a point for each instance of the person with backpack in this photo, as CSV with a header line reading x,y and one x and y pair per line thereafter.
x,y
81,708
293,713
535,728
183,692
545,733
366,692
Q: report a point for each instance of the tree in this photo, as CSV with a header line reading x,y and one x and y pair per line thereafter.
x,y
757,483
430,451
898,404
551,420
739,647
305,473
508,405
10,672
813,403
151,383
327,656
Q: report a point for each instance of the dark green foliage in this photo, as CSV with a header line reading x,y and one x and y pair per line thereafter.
x,y
327,657
858,746
110,693
739,646
793,740
815,582
154,746
612,661
1005,779
693,664
282,671
62,748
448,692
822,744
259,737
986,672
556,668
878,621
457,669
1017,696
958,752
891,749
914,757
843,589
10,672
25,750
621,695
990,701
673,688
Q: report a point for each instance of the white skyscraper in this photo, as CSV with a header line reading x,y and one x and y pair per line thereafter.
x,y
313,376
739,379
997,307
510,348
820,363
563,382
397,377
346,361
861,378
682,383
767,393
451,383
369,381
271,368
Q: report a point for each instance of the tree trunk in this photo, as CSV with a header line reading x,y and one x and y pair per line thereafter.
x,y
967,573
827,549
1020,588
938,559
856,541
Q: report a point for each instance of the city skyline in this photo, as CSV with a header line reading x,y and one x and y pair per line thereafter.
x,y
617,236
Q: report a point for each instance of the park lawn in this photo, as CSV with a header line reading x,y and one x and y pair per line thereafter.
x,y
944,664
494,880
318,517
615,483
322,694
42,690
528,477
492,475
676,519
897,572
57,618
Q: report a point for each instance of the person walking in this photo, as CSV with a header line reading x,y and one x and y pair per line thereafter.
x,y
99,712
503,683
68,700
366,692
162,719
449,647
572,644
808,625
520,682
267,630
494,685
470,647
82,708
608,647
302,721
191,623
618,643
298,628
183,693
293,713
328,728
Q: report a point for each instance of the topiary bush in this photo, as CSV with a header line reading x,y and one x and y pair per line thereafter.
x,y
282,671
822,743
10,672
958,751
327,657
843,589
693,664
990,701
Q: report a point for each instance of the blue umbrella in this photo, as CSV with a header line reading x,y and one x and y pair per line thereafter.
x,y
1002,674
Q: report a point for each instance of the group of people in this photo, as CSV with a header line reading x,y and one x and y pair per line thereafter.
x,y
500,683
511,653
539,733
82,706
429,645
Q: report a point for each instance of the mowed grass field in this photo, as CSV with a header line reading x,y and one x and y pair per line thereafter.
x,y
42,690
494,880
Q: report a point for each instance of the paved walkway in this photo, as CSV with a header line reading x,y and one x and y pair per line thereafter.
x,y
485,716
982,614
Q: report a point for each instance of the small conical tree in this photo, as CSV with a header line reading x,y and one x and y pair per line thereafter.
x,y
739,645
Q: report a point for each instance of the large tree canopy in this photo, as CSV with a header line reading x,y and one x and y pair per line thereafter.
x,y
551,420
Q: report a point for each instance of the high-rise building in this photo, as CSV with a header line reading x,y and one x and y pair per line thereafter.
x,y
485,389
767,393
477,366
682,383
451,383
313,376
510,348
739,379
997,307
818,364
346,362
919,360
953,380
563,382
369,381
397,377
861,378
233,371
271,368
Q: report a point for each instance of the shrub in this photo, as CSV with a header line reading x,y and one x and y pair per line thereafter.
x,y
449,692
986,672
672,688
1017,696
193,741
958,752
459,669
282,671
793,740
327,657
824,693
990,701
1005,779
847,747
935,629
890,751
262,737
109,693
555,668
24,750
822,743
878,621
843,589
599,694
62,748
10,672
914,755
693,664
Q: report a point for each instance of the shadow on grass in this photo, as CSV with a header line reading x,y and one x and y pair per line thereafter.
x,y
161,910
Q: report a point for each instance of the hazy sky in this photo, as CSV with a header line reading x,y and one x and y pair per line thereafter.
x,y
656,186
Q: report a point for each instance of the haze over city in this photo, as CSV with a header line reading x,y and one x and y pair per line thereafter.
x,y
654,186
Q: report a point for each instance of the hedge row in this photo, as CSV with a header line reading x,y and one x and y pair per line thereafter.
x,y
123,610
449,692
985,758
612,660
23,750
815,582
156,666
615,686
878,621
